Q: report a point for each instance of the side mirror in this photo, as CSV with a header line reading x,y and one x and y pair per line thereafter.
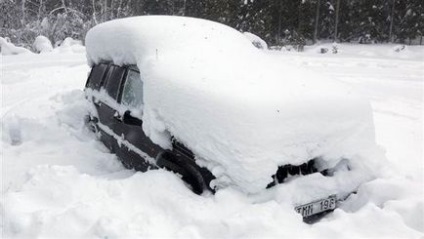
x,y
128,119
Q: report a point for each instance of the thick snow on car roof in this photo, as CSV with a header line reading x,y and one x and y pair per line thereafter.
x,y
128,40
241,112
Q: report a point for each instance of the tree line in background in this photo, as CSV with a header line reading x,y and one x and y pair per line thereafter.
x,y
279,22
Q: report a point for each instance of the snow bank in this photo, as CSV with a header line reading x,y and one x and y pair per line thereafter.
x,y
384,51
7,48
69,41
59,180
242,114
71,45
57,200
42,44
256,41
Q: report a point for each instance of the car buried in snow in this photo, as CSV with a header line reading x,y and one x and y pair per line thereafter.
x,y
197,98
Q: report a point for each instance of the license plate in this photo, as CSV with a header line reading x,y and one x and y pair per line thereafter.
x,y
318,206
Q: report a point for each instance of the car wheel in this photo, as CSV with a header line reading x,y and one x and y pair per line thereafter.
x,y
188,170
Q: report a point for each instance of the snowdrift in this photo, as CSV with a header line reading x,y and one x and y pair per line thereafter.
x,y
42,44
70,45
240,112
8,48
59,180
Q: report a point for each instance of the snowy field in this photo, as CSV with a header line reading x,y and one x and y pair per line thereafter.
x,y
58,181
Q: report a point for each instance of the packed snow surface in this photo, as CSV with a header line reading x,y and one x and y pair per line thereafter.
x,y
59,181
242,113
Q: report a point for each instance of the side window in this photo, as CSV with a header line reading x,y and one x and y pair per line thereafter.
x,y
113,80
132,94
96,76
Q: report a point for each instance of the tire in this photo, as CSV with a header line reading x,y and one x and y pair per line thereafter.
x,y
189,171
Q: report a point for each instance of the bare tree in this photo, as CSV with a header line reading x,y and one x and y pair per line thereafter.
x,y
280,12
316,21
23,9
337,19
392,13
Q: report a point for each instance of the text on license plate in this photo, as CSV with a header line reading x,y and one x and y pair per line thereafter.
x,y
318,206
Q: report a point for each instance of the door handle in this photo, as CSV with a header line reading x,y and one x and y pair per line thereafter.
x,y
118,116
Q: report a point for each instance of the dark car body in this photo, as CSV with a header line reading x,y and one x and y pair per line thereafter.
x,y
122,133
117,125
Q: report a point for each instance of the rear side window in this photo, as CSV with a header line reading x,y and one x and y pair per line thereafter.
x,y
132,94
96,76
113,80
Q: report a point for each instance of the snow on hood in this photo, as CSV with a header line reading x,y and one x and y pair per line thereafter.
x,y
239,111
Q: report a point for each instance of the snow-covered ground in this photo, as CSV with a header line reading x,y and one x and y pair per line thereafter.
x,y
59,181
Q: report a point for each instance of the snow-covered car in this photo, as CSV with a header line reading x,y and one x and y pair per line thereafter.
x,y
197,98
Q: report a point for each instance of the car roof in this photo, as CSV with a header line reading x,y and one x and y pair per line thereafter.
x,y
128,40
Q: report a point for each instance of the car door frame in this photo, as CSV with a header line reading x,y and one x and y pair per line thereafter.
x,y
135,148
103,114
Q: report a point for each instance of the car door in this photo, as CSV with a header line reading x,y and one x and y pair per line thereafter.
x,y
136,149
103,111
